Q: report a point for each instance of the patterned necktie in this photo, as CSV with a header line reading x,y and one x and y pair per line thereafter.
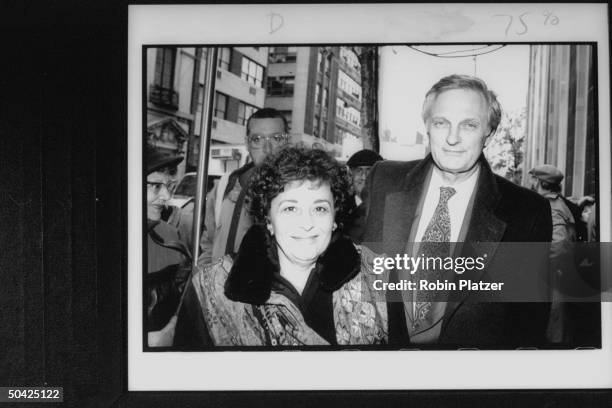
x,y
435,243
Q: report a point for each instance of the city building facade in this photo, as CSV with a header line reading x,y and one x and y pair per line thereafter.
x,y
239,91
562,115
175,93
318,90
170,111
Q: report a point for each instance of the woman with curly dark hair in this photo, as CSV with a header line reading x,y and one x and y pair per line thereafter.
x,y
297,279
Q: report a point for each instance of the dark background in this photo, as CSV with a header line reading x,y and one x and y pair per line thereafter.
x,y
63,137
63,132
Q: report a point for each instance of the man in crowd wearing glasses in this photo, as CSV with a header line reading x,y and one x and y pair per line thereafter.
x,y
227,218
167,256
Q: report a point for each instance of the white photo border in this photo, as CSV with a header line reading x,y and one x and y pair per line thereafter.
x,y
359,23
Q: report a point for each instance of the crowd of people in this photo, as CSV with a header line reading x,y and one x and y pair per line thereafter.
x,y
288,240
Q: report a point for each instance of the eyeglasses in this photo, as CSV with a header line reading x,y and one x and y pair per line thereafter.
x,y
156,186
275,138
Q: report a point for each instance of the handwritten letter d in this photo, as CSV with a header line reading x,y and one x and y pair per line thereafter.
x,y
276,22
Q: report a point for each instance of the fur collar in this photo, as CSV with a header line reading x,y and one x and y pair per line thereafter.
x,y
250,279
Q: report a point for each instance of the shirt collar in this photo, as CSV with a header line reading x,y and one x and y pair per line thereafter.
x,y
551,195
464,186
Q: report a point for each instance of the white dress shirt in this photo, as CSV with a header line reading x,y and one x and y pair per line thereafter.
x,y
457,204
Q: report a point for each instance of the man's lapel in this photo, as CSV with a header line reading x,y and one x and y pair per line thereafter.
x,y
401,209
400,212
485,226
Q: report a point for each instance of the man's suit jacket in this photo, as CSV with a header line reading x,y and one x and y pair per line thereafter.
x,y
501,212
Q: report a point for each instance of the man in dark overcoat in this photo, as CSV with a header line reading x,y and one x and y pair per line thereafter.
x,y
453,197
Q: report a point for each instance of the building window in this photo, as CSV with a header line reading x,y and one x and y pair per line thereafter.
x,y
280,86
225,55
161,91
244,112
318,93
325,98
316,124
282,54
338,134
252,72
348,113
348,85
354,116
340,108
164,67
221,106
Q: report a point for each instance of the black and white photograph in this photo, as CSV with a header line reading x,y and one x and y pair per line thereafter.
x,y
305,118
374,197
309,204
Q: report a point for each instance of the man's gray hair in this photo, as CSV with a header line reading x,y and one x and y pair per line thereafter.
x,y
464,82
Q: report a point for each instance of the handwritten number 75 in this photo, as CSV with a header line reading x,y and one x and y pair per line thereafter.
x,y
521,22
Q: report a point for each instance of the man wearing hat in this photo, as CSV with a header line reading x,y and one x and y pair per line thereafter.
x,y
167,256
546,181
360,164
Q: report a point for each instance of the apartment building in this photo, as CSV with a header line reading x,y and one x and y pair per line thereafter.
x,y
176,91
170,112
239,91
318,89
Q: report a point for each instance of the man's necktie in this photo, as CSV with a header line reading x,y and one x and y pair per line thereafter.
x,y
434,244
